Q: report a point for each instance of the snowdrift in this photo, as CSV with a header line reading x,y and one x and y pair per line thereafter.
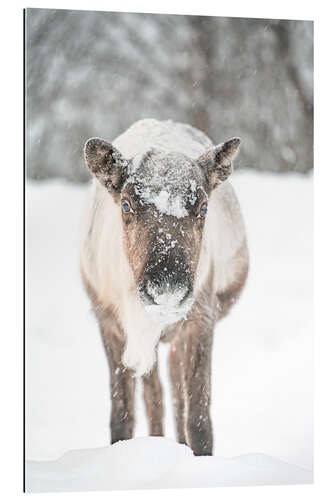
x,y
156,462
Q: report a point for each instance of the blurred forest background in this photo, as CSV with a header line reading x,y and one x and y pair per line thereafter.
x,y
95,73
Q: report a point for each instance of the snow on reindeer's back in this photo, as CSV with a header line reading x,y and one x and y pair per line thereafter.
x,y
167,136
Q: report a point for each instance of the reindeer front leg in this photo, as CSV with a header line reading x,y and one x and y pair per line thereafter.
x,y
176,370
122,396
122,390
152,392
197,366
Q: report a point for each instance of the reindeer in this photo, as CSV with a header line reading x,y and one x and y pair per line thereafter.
x,y
164,257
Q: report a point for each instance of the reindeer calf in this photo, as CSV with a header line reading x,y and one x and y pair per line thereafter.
x,y
164,257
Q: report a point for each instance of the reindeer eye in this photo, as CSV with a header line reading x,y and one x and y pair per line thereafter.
x,y
203,210
126,207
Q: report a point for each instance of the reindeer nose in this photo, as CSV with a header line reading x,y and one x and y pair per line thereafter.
x,y
165,294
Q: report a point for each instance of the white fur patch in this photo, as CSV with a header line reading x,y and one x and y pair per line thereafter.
x,y
142,336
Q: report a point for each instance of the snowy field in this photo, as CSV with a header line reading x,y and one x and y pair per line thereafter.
x,y
262,361
153,463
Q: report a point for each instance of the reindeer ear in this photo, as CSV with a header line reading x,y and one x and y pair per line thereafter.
x,y
217,162
106,163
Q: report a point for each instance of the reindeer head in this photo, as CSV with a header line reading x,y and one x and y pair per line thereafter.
x,y
163,200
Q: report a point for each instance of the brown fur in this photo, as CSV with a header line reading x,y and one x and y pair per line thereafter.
x,y
145,224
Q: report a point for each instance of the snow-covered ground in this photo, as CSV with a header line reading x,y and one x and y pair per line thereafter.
x,y
154,462
262,362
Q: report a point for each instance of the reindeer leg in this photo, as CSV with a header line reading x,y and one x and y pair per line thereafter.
x,y
152,392
121,380
122,390
177,382
198,387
